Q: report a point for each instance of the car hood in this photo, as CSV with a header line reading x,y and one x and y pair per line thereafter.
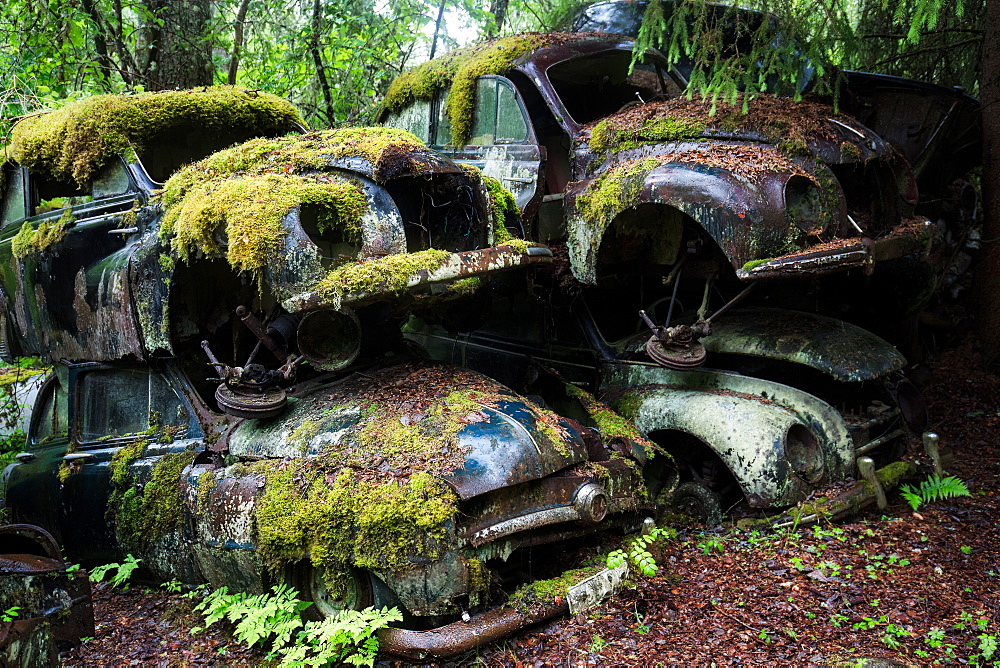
x,y
797,129
470,431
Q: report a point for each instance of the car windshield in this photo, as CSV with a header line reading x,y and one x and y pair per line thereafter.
x,y
596,85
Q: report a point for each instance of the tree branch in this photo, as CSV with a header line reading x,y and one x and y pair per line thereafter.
x,y
910,54
234,60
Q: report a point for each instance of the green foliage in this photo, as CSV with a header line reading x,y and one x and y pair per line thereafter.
x,y
637,553
934,488
923,39
10,614
347,638
123,572
264,617
275,620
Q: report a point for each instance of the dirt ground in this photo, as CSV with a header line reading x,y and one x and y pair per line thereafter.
x,y
916,587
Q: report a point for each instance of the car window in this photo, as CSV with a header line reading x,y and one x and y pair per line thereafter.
x,y
442,133
498,118
112,179
599,84
52,417
118,402
13,195
416,118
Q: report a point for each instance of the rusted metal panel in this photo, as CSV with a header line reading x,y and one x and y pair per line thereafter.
x,y
842,350
745,421
459,265
53,606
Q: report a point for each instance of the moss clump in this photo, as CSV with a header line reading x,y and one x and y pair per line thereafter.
x,y
25,368
233,202
76,140
387,274
617,189
145,513
610,135
755,263
543,592
375,499
47,234
206,482
337,519
459,70
504,208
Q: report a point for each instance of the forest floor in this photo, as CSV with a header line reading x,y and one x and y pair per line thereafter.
x,y
915,587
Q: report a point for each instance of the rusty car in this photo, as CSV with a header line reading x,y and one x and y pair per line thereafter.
x,y
322,450
664,217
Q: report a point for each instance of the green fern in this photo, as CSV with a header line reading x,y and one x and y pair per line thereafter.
x,y
935,488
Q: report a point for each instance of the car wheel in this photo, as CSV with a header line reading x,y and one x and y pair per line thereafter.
x,y
698,501
310,581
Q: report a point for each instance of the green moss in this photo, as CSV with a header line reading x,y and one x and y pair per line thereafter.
x,y
755,263
850,150
24,369
374,500
233,202
304,433
206,482
617,189
76,140
543,592
610,135
47,234
504,208
609,423
143,513
459,70
382,275
337,519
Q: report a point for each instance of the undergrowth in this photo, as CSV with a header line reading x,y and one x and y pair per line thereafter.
x,y
275,620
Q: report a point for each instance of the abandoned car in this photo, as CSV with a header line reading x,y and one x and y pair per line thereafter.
x,y
670,216
790,189
322,451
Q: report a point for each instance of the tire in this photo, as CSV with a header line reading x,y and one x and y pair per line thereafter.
x,y
310,581
698,501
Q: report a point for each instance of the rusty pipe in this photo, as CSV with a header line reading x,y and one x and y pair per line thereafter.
x,y
458,637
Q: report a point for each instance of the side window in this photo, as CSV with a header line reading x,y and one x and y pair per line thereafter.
x,y
443,125
416,118
52,418
111,180
13,196
117,402
498,118
48,194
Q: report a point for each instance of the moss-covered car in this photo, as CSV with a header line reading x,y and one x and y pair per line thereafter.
x,y
626,169
322,451
667,217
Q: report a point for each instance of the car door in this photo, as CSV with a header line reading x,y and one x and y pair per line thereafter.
x,y
64,252
66,485
503,143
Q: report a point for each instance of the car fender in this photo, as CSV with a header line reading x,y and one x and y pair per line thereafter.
x,y
746,217
744,421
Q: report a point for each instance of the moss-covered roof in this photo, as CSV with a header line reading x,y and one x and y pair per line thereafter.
x,y
458,70
76,140
245,191
789,125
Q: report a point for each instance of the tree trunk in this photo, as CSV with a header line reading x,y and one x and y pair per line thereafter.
x,y
317,56
498,8
181,55
437,30
988,272
234,59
